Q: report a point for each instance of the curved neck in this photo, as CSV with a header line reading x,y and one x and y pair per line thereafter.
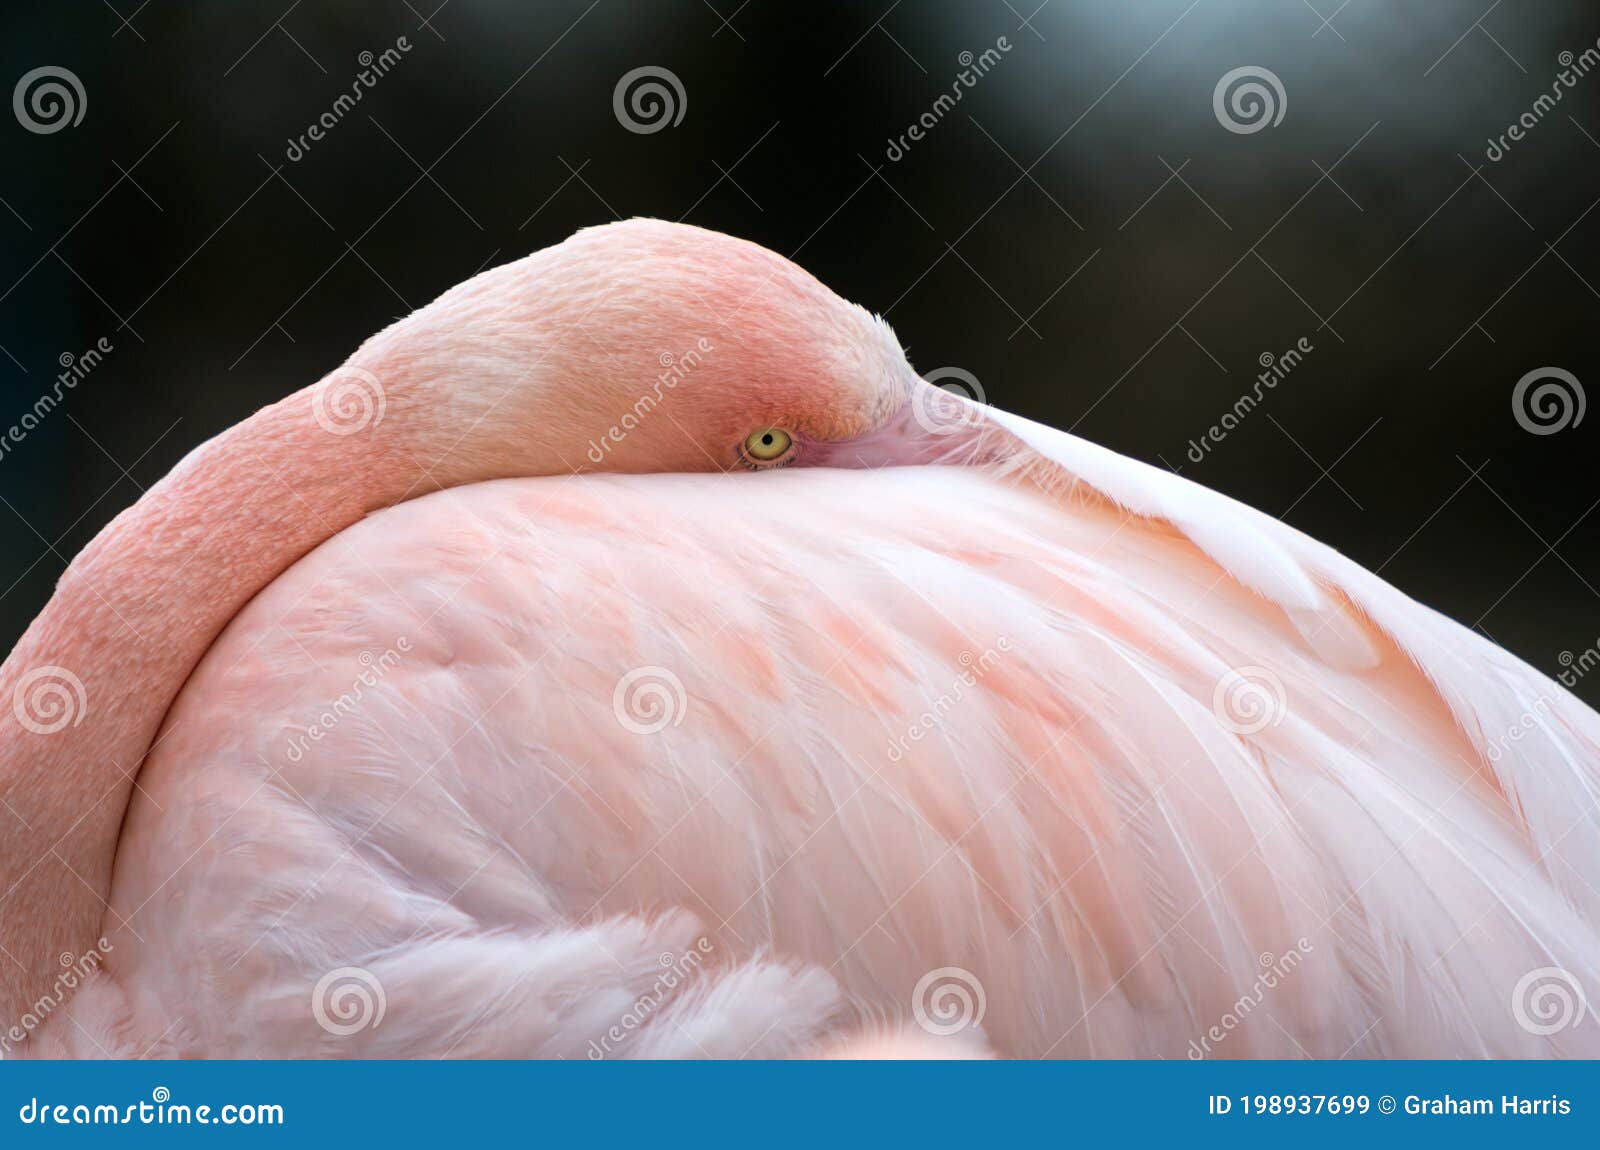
x,y
84,692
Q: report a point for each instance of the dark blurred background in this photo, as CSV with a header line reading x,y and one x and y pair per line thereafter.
x,y
1081,232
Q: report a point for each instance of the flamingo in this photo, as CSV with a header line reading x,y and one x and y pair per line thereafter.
x,y
628,655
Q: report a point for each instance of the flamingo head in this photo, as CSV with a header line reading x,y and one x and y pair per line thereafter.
x,y
647,346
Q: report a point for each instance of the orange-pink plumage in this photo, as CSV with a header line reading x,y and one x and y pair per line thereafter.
x,y
457,740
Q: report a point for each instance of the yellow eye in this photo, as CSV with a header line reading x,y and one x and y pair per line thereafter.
x,y
768,444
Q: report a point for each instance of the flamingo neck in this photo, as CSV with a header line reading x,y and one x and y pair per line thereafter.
x,y
84,692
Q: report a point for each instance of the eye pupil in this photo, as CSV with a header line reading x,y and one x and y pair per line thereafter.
x,y
768,444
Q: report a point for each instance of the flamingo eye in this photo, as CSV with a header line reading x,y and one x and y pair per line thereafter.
x,y
768,445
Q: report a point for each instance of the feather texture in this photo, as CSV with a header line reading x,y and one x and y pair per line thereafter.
x,y
1157,774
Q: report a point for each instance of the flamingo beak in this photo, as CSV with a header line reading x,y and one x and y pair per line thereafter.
x,y
933,425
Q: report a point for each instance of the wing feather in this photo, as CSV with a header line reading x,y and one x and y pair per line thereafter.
x,y
1539,742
